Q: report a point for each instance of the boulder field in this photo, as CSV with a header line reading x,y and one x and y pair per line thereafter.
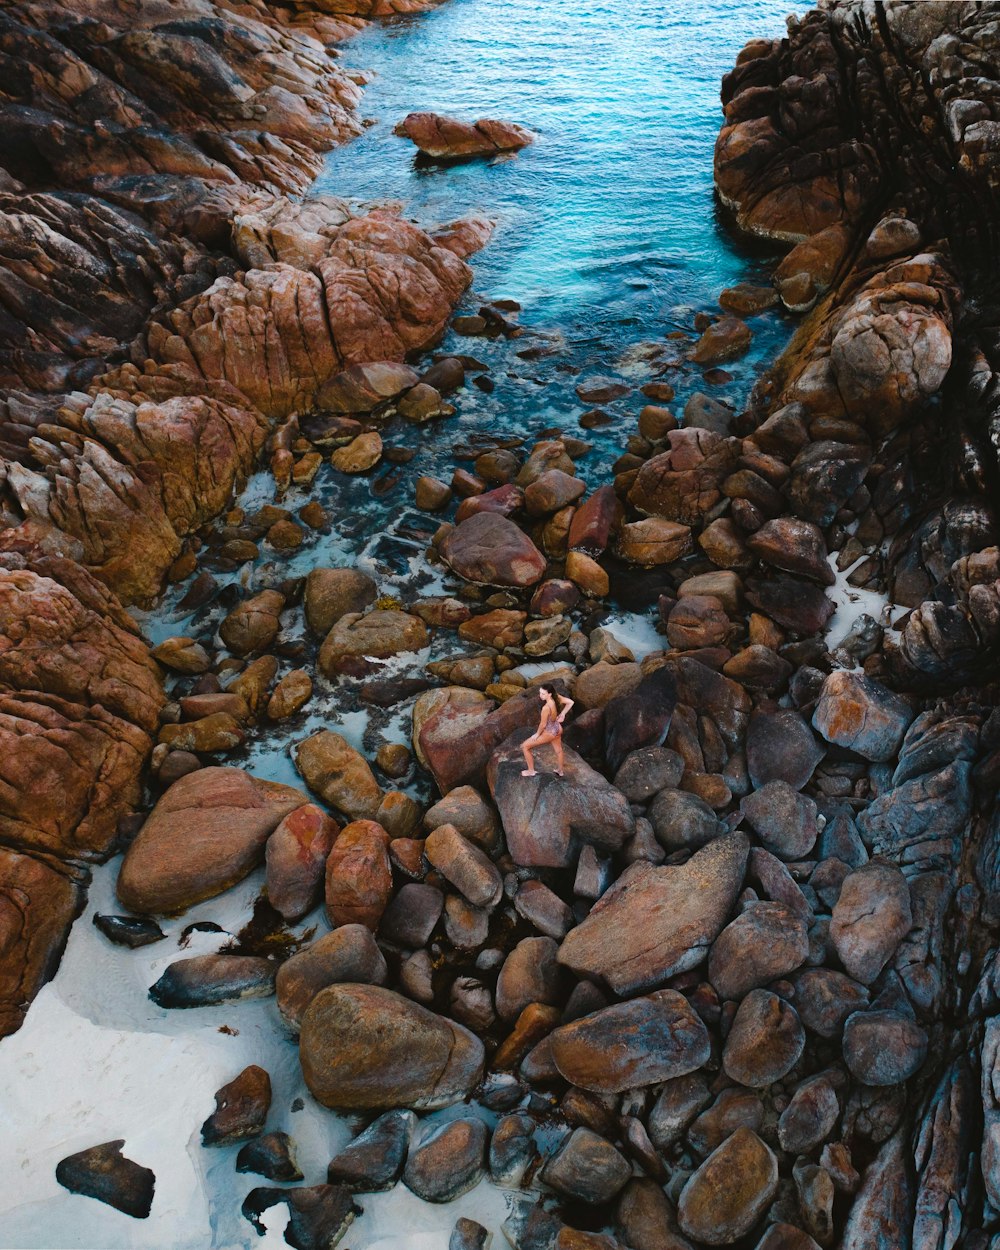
x,y
741,955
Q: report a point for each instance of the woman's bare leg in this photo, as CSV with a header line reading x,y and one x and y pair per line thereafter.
x,y
526,752
557,746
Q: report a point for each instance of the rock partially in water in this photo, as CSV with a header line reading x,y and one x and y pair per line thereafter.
x,y
378,634
271,1156
373,1161
447,138
207,980
656,922
103,1172
368,1049
320,1214
489,549
628,1045
241,1109
332,593
448,1162
130,931
206,833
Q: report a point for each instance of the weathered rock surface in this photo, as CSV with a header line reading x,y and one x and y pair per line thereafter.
x,y
447,137
104,1173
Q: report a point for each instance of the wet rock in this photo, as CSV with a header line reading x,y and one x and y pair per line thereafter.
x,y
130,931
697,621
206,833
241,1109
595,521
727,339
206,980
780,746
656,922
210,735
729,1193
359,455
784,820
764,942
331,593
543,908
296,856
462,863
859,714
412,915
103,1172
647,771
551,491
367,1049
529,974
733,1108
794,546
544,817
334,770
373,1161
348,954
377,635
870,919
359,875
825,998
883,1047
746,300
810,1117
490,550
640,716
792,603
271,1156
182,655
765,1042
512,1148
365,387
447,138
682,820
587,1168
448,1162
628,1045
254,624
430,494
320,1214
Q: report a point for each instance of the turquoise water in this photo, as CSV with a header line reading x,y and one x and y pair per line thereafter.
x,y
607,224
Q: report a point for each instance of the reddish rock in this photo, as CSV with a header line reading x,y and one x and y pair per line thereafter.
x,y
205,834
684,482
654,541
359,875
491,550
341,776
595,521
448,138
348,954
296,855
724,340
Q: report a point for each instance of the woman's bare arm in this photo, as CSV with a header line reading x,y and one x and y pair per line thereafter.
x,y
566,705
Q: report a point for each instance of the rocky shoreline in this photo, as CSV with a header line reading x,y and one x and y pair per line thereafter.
x,y
740,958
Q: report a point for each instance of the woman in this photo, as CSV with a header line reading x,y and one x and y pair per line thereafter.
x,y
550,729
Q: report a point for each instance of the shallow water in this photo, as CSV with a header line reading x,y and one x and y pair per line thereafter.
x,y
608,236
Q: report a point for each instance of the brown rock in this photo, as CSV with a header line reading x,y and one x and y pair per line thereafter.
x,y
490,549
296,856
205,834
731,1190
360,454
684,482
341,777
254,624
367,1049
349,954
359,875
378,635
763,943
654,541
448,138
724,340
464,865
241,1109
333,593
291,694
765,1041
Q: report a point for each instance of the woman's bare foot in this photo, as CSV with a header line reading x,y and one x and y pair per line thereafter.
x,y
528,772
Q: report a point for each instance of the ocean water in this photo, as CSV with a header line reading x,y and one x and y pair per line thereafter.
x,y
609,237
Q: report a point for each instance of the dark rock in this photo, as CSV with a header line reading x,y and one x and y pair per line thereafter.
x,y
543,908
797,605
825,998
320,1214
489,549
784,820
794,546
448,1162
627,1045
647,771
271,1156
206,980
683,821
530,974
103,1172
410,918
733,1108
639,718
587,1168
810,1116
883,1047
130,931
765,942
680,1100
656,922
241,1109
512,1148
373,1161
780,746
468,1235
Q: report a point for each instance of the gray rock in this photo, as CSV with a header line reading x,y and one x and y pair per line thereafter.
x,y
810,1117
766,942
780,746
410,918
784,820
648,771
825,998
883,1047
871,918
678,1103
682,820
